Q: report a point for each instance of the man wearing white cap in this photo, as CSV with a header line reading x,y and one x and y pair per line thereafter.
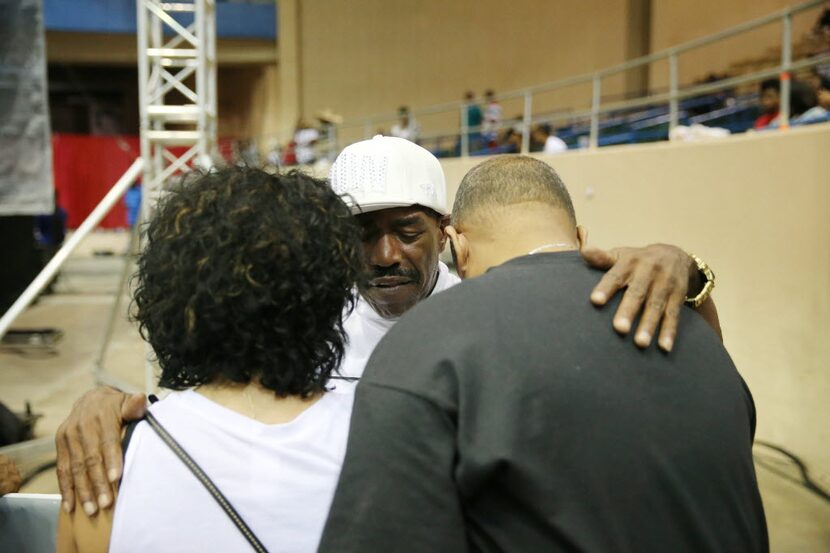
x,y
398,193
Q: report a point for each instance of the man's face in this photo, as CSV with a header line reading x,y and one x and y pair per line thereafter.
x,y
769,100
401,246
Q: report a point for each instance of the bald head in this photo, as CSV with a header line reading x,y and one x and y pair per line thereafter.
x,y
507,181
508,207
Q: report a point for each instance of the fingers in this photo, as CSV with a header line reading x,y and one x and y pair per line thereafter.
x,y
611,282
599,259
77,466
91,434
133,407
632,302
671,320
654,309
655,279
64,468
92,441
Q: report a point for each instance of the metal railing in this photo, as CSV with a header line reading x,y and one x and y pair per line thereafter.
x,y
673,96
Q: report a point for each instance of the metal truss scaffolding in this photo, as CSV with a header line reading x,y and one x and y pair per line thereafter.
x,y
177,88
177,106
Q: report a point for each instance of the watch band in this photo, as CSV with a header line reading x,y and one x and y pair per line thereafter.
x,y
708,286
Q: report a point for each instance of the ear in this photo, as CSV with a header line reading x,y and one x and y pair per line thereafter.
x,y
460,249
443,223
581,236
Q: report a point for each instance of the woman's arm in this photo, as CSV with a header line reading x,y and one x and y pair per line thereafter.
x,y
78,533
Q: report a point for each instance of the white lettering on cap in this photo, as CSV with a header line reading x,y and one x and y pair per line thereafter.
x,y
429,190
357,174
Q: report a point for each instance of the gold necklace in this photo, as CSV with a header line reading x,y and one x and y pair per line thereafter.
x,y
534,251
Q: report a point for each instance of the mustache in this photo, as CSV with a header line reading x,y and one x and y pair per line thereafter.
x,y
393,271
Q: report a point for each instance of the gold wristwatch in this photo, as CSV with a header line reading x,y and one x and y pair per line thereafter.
x,y
707,273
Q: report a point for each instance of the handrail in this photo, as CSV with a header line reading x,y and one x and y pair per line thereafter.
x,y
663,97
673,96
90,223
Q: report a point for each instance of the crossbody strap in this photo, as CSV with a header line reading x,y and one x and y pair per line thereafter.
x,y
206,482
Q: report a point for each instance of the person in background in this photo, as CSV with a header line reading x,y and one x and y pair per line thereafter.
x,y
305,136
804,108
804,102
328,132
474,117
406,127
9,476
515,433
821,86
544,140
132,201
50,233
770,103
822,25
241,290
510,142
823,96
492,117
51,230
273,159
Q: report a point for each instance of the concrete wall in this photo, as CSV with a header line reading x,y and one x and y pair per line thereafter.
x,y
757,208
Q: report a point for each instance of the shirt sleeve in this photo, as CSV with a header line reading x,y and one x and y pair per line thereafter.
x,y
396,491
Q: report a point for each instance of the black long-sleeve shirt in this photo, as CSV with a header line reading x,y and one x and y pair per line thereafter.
x,y
505,415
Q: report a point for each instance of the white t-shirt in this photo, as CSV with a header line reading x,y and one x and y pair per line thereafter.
x,y
304,145
410,132
364,328
280,478
555,145
492,118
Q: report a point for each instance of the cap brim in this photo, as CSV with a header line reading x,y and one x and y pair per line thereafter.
x,y
370,207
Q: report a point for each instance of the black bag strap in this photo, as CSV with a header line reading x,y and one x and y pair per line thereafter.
x,y
197,471
129,428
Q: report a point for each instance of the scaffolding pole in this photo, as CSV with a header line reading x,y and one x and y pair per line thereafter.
x,y
177,111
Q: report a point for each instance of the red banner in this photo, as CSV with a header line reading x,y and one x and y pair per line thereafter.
x,y
85,168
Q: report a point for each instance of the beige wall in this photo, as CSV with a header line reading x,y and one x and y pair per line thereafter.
x,y
370,56
248,81
121,49
673,23
247,101
366,57
757,208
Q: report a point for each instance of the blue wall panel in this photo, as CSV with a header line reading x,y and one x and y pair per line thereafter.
x,y
233,19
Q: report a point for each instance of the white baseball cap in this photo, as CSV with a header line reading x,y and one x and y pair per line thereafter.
x,y
387,172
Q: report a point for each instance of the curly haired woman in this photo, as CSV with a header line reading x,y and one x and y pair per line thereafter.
x,y
241,288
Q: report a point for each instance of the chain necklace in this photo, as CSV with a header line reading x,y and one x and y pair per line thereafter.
x,y
549,246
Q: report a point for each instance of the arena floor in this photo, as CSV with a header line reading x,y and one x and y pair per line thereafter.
x,y
52,379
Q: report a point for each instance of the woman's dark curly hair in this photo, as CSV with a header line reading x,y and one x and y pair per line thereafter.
x,y
246,275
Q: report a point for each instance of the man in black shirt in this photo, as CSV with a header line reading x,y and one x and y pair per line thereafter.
x,y
496,420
